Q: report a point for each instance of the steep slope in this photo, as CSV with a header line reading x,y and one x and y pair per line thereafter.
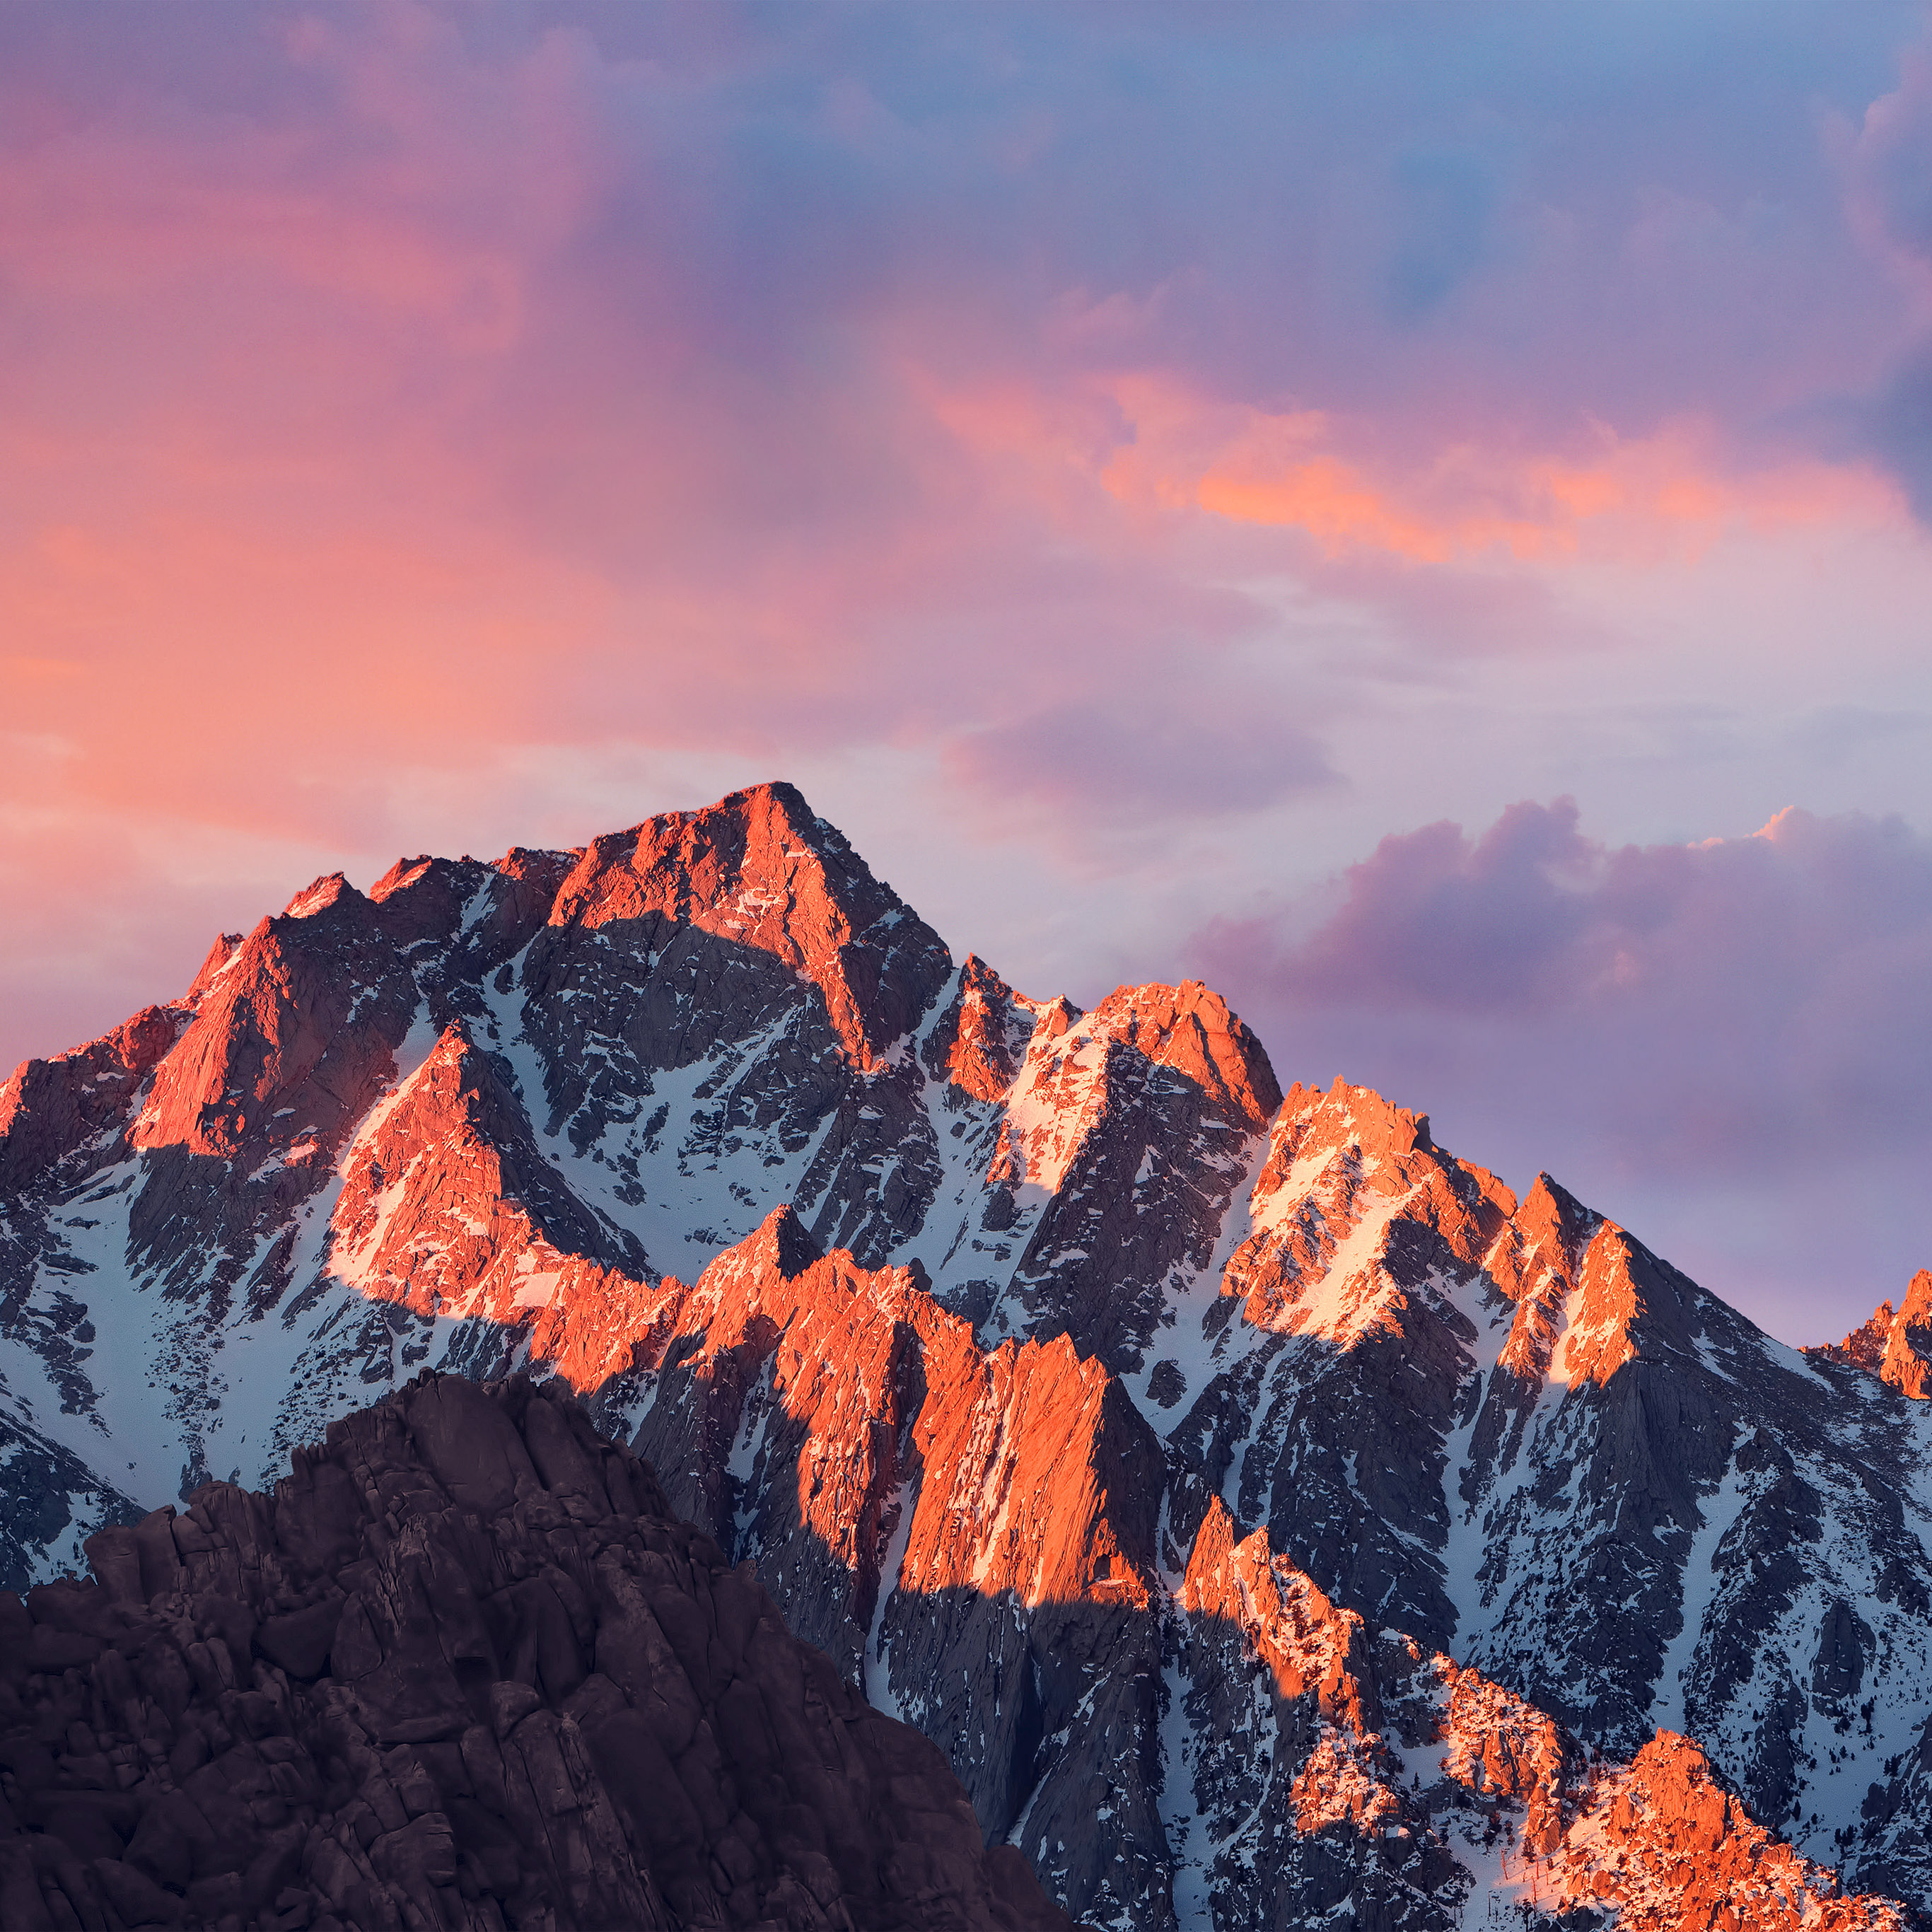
x,y
1308,1738
1512,1430
463,1669
287,1185
959,1529
970,1532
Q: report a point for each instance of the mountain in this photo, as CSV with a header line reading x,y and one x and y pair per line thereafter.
x,y
462,1670
994,1334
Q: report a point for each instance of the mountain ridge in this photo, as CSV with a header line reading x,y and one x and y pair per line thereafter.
x,y
463,1668
492,1116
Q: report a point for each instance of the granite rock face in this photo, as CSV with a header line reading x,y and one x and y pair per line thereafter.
x,y
462,1669
285,1187
1314,1741
970,1531
979,1324
1509,1429
1895,1344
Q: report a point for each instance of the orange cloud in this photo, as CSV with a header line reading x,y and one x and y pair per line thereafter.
x,y
1147,445
1332,502
1633,501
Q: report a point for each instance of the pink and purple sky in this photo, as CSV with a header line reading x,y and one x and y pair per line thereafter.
x,y
1417,513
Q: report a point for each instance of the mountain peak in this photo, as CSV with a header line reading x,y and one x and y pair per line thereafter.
x,y
1347,1173
981,1041
1550,1210
758,869
221,956
905,1278
404,872
50,1108
1536,1263
1346,1115
1895,1344
785,1241
319,896
1192,1029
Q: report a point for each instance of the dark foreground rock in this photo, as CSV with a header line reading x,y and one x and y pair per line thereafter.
x,y
462,1669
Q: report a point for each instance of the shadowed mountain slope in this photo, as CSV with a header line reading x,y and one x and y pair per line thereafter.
x,y
462,1669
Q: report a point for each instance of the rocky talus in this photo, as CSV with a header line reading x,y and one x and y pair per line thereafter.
x,y
462,1669
965,1317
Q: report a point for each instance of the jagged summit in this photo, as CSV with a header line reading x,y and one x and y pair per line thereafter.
x,y
1051,1366
1895,1344
758,870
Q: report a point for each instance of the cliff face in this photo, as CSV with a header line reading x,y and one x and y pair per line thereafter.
x,y
971,1531
462,1669
1315,1739
991,1332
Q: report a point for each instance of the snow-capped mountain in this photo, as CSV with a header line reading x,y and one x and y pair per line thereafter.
x,y
1215,1474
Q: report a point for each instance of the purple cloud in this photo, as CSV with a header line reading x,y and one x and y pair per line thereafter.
x,y
1736,1030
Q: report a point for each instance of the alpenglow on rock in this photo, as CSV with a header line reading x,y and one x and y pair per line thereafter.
x,y
992,1332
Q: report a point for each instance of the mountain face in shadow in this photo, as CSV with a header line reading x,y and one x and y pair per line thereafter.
x,y
463,1669
988,1330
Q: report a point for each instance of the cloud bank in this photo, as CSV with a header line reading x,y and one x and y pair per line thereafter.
x,y
1684,1026
676,376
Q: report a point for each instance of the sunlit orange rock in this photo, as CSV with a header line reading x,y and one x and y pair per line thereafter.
x,y
1341,1166
1305,1641
759,870
1662,1845
981,1039
292,1035
1895,1344
51,1109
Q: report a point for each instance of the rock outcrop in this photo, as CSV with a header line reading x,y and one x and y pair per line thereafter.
x,y
462,1669
971,1531
1895,1344
1327,1772
1658,1845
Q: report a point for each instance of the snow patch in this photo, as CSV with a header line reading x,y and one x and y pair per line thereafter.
x,y
878,1655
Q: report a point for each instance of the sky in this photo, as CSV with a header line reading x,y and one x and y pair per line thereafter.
x,y
1416,514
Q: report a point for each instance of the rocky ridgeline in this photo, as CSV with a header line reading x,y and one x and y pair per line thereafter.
x,y
463,1671
1465,1788
1895,1344
1663,1846
966,1318
970,1531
